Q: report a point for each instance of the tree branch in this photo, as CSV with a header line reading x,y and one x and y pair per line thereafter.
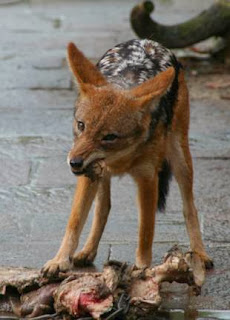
x,y
214,21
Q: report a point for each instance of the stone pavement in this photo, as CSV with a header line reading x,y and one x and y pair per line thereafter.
x,y
36,186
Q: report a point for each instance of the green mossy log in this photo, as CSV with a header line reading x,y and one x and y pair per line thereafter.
x,y
214,21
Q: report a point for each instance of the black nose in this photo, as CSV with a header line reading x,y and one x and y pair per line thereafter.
x,y
76,163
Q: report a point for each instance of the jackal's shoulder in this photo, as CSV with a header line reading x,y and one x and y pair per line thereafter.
x,y
133,62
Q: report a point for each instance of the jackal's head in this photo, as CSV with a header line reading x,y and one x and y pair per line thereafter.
x,y
109,123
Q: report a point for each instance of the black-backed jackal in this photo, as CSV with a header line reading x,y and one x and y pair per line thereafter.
x,y
131,116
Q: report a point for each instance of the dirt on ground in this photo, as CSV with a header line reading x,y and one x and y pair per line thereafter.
x,y
207,79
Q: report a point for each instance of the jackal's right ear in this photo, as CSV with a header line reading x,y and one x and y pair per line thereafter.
x,y
153,89
84,71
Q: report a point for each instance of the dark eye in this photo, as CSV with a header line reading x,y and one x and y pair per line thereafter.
x,y
110,137
80,126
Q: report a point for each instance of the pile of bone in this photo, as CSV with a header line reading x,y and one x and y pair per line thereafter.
x,y
120,288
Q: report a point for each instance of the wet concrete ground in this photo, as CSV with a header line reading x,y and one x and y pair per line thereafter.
x,y
36,186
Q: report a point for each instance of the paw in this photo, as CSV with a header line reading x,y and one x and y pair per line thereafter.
x,y
207,260
208,263
54,266
84,258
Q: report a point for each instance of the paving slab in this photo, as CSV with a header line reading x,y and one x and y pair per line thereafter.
x,y
212,139
37,99
211,186
35,79
14,172
35,147
53,172
217,226
39,122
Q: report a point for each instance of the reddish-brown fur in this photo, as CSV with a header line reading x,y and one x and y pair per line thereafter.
x,y
105,110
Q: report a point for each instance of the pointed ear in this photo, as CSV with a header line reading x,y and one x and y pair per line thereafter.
x,y
153,89
83,70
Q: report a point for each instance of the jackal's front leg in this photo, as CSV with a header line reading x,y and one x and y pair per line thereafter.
x,y
102,208
147,197
83,198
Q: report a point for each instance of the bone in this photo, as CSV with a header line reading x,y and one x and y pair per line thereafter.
x,y
95,170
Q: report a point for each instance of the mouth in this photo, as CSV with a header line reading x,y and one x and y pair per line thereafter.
x,y
78,173
93,171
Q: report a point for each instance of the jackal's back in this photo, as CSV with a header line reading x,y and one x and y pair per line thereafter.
x,y
133,62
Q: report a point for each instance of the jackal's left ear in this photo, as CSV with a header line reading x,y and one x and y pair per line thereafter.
x,y
83,70
152,89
